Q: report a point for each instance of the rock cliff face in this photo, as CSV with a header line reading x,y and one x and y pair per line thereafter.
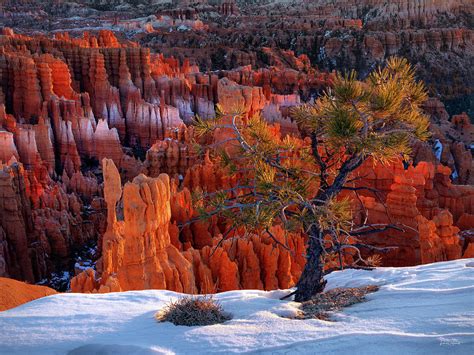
x,y
424,200
97,145
437,36
139,252
41,224
144,250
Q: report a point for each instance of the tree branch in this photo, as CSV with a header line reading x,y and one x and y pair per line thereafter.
x,y
278,242
373,229
224,236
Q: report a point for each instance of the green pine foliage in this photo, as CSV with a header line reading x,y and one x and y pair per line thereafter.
x,y
378,117
281,181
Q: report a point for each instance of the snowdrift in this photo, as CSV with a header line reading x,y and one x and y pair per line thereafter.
x,y
427,309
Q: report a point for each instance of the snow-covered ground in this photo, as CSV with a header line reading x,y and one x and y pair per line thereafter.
x,y
426,309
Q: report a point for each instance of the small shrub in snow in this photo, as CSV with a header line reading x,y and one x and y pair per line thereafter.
x,y
191,311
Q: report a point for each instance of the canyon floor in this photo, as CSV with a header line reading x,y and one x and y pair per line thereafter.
x,y
423,309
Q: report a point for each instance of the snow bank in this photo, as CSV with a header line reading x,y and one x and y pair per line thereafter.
x,y
426,309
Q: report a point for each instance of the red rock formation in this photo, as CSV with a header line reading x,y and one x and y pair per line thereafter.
x,y
455,138
422,201
435,35
41,225
27,97
105,98
138,252
67,103
8,147
234,96
168,156
13,224
14,293
107,143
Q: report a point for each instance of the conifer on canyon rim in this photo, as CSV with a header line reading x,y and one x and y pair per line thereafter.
x,y
298,186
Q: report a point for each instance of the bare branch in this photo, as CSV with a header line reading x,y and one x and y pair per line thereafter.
x,y
374,228
372,247
322,165
360,267
224,236
278,242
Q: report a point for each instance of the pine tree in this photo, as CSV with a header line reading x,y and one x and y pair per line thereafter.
x,y
353,120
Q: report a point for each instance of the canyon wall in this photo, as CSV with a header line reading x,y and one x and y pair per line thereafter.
x,y
97,148
66,103
436,36
143,250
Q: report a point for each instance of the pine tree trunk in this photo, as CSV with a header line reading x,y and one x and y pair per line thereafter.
x,y
311,281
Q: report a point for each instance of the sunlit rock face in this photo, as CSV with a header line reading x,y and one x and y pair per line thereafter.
x,y
424,200
97,145
436,36
142,251
81,100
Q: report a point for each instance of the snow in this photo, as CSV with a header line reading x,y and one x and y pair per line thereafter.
x,y
438,149
183,28
425,309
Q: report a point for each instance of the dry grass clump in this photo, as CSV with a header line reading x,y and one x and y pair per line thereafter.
x,y
191,311
322,304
